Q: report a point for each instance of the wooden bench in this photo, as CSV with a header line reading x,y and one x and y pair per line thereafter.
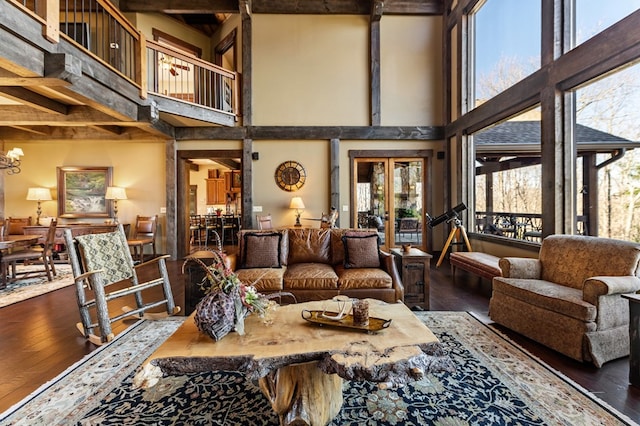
x,y
478,263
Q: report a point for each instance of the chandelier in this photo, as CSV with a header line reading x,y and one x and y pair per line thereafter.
x,y
11,161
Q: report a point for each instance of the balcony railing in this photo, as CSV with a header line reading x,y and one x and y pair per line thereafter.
x,y
170,73
524,226
101,29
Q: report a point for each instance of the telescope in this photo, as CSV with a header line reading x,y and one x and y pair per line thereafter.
x,y
451,214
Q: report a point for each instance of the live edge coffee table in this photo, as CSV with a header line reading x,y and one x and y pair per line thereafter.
x,y
300,365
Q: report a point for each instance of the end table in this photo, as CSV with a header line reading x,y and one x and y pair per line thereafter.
x,y
415,270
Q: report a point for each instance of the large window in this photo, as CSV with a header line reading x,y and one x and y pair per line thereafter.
x,y
593,16
507,45
607,113
508,190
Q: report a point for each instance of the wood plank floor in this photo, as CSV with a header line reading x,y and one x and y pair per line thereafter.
x,y
38,340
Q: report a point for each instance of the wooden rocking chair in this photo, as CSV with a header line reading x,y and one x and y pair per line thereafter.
x,y
100,260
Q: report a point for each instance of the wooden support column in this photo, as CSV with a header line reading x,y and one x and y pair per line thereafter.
x,y
247,34
590,205
247,179
374,61
334,176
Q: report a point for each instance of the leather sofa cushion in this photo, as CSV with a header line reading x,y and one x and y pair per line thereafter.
x,y
337,245
310,276
547,295
261,250
264,279
361,251
284,245
309,245
362,278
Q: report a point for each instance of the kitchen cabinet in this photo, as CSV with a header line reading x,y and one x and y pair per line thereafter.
x,y
216,191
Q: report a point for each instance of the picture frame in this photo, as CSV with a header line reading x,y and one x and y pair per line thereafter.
x,y
82,190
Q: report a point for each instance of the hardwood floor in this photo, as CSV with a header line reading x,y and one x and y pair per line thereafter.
x,y
38,340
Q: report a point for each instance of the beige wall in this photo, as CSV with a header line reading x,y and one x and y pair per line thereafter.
x,y
139,167
310,70
411,71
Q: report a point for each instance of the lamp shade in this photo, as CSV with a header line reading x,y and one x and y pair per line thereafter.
x,y
296,203
39,194
115,193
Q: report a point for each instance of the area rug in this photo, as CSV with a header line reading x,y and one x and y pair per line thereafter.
x,y
34,283
495,383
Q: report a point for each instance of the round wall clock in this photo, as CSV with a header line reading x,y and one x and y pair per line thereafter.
x,y
290,176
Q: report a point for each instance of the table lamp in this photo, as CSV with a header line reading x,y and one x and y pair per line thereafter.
x,y
115,193
39,195
296,203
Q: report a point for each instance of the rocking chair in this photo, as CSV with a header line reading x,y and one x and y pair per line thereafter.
x,y
100,260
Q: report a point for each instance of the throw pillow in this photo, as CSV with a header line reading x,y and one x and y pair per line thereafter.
x,y
261,250
361,251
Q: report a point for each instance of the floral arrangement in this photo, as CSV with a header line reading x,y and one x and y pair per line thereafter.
x,y
227,301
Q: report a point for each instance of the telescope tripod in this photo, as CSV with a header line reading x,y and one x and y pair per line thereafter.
x,y
456,231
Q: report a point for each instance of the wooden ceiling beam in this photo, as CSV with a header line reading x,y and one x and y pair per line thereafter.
x,y
85,134
32,130
77,115
33,100
182,7
32,81
310,7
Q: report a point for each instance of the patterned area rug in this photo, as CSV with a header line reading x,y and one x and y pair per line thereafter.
x,y
35,283
496,383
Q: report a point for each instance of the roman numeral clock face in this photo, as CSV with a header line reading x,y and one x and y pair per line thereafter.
x,y
290,176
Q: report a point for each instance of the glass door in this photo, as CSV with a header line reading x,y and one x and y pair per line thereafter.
x,y
389,197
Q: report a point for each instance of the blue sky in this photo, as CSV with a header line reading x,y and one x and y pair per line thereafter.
x,y
511,27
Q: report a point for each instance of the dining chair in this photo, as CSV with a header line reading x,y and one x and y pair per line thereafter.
x,y
196,226
264,222
101,260
15,225
144,234
213,230
28,256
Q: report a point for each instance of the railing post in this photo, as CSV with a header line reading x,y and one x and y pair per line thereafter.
x,y
141,64
51,15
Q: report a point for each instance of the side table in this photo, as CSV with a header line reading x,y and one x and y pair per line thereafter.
x,y
634,338
415,270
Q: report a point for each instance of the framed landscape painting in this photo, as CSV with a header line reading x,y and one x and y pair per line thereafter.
x,y
81,192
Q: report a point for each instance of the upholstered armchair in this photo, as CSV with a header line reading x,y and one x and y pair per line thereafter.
x,y
569,298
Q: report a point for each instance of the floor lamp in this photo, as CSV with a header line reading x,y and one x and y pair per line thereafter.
x,y
39,195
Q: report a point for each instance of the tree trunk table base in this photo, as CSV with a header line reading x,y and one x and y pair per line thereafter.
x,y
301,394
301,366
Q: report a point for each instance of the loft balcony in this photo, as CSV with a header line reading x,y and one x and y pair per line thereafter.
x,y
83,65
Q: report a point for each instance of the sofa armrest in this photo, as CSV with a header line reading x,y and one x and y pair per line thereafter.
x,y
603,286
387,262
520,267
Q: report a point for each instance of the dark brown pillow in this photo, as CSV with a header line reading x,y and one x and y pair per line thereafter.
x,y
262,250
361,251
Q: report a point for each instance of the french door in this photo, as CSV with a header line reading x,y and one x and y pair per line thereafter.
x,y
390,196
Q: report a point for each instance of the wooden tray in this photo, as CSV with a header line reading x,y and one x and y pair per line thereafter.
x,y
315,317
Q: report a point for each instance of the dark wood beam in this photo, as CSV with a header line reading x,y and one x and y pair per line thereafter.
x,y
312,132
192,111
180,7
307,7
374,62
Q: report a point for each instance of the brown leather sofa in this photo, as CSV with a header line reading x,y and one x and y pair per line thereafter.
x,y
317,264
